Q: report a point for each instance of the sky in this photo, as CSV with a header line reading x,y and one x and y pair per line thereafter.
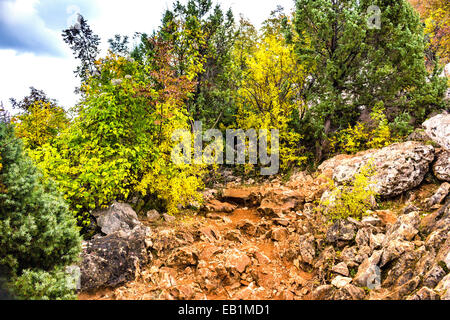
x,y
32,52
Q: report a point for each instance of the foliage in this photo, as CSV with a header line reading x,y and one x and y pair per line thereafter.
x,y
35,96
202,38
40,124
436,16
353,199
37,231
360,66
84,44
119,45
42,285
119,145
269,92
401,126
365,136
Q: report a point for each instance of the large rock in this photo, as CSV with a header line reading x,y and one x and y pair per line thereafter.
x,y
399,167
441,167
114,259
438,129
119,216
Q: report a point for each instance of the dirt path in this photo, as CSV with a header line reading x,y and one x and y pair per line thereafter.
x,y
217,256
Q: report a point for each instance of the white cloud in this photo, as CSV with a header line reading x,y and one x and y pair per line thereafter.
x,y
23,30
55,75
21,71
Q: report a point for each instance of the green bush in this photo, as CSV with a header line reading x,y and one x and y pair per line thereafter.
x,y
353,199
42,285
38,234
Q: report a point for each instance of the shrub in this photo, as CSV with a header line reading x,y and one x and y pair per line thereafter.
x,y
268,97
38,234
361,136
352,199
119,146
40,123
42,285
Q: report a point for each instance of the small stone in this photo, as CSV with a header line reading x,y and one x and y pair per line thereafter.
x,y
324,292
118,217
233,235
349,292
368,270
371,221
262,258
341,230
424,293
433,277
153,216
237,261
168,217
279,234
377,240
443,288
441,167
217,206
439,195
183,257
247,227
341,268
340,281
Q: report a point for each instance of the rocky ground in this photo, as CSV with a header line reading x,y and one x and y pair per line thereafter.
x,y
267,241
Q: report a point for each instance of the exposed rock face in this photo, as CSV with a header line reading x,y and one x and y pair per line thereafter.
x,y
441,167
390,258
114,259
341,231
119,216
439,195
218,206
438,129
399,167
270,242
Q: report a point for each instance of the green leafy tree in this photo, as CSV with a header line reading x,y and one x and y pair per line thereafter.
x,y
39,120
120,144
361,66
270,85
202,36
38,233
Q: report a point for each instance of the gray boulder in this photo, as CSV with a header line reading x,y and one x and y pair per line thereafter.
x,y
119,216
438,129
109,261
399,167
341,230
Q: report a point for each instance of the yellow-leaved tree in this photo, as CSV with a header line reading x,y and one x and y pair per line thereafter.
x,y
40,124
270,91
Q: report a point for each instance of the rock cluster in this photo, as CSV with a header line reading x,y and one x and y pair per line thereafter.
x,y
270,242
111,260
399,167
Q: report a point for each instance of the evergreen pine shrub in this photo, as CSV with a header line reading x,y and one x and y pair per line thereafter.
x,y
38,233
